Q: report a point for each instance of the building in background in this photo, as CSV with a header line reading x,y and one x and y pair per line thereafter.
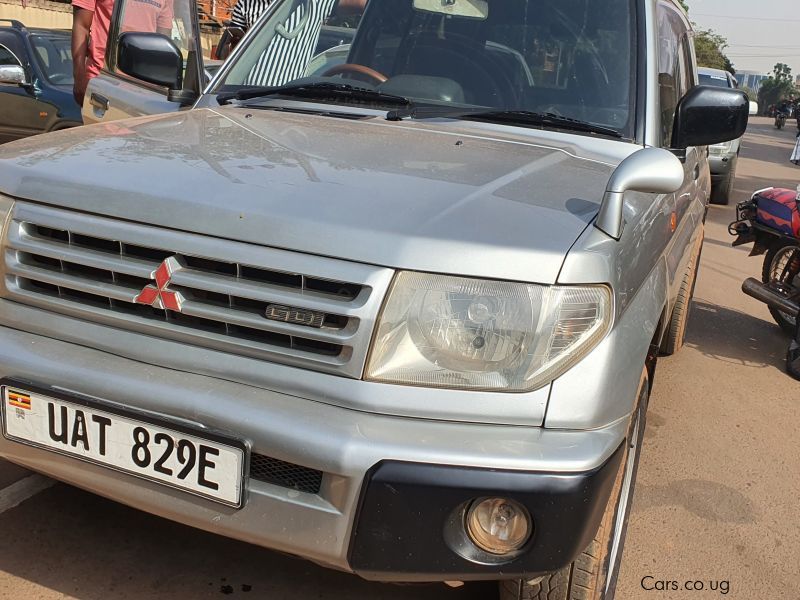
x,y
750,79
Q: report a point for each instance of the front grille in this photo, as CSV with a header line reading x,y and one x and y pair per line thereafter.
x,y
251,302
284,474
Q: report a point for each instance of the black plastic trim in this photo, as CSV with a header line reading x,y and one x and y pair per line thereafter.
x,y
640,91
406,513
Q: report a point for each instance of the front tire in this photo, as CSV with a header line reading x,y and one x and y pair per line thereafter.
x,y
675,333
593,575
721,192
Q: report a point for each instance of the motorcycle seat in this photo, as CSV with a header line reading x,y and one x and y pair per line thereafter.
x,y
779,209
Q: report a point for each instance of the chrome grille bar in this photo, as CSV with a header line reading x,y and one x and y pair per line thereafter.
x,y
281,306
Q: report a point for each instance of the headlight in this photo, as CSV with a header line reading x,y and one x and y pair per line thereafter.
x,y
720,149
453,332
6,204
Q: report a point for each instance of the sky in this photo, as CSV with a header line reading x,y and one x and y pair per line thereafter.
x,y
760,32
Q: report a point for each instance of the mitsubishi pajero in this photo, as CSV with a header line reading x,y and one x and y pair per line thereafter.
x,y
392,305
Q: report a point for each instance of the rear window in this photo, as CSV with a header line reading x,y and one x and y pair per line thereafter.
x,y
715,80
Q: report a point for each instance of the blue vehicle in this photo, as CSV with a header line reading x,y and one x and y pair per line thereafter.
x,y
35,81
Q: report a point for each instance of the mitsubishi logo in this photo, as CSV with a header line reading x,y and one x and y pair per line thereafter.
x,y
159,295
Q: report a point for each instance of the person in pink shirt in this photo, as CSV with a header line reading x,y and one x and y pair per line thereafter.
x,y
90,22
150,16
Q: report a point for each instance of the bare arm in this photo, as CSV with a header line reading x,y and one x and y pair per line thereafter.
x,y
81,24
351,7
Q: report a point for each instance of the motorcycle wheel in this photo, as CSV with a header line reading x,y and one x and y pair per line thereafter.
x,y
793,360
774,264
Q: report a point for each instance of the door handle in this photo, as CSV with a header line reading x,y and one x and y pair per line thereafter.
x,y
98,101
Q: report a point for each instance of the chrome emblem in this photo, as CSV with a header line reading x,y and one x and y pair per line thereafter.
x,y
296,316
159,295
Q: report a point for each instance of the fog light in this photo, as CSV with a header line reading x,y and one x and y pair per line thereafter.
x,y
498,525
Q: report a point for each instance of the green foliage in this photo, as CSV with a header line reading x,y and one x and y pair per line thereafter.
x,y
782,72
684,5
710,49
778,87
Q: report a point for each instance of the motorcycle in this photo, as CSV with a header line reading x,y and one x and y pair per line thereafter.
x,y
770,220
780,119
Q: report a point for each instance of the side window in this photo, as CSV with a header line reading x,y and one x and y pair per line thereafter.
x,y
170,18
150,16
675,74
690,77
7,57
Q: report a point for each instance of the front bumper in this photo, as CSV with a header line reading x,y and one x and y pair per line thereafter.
x,y
720,165
411,522
434,466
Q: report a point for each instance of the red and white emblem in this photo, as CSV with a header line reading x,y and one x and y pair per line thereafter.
x,y
159,295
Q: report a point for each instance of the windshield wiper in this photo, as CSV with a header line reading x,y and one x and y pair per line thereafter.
x,y
316,90
515,117
526,117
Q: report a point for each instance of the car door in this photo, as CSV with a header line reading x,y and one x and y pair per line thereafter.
x,y
676,77
19,106
117,94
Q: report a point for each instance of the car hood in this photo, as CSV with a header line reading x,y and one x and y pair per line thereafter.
x,y
412,195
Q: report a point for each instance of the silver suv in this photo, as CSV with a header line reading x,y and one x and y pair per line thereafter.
x,y
393,307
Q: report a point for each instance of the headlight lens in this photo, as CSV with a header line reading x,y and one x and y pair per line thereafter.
x,y
454,332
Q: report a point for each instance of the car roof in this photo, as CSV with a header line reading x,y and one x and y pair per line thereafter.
x,y
15,25
49,32
710,71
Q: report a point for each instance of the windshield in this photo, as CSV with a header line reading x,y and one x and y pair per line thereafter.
x,y
54,56
715,80
572,58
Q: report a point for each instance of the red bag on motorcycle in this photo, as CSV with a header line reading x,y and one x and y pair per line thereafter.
x,y
778,208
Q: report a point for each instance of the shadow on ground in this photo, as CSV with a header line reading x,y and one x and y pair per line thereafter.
x,y
85,547
708,500
736,337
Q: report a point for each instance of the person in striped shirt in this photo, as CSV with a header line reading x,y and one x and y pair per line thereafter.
x,y
247,12
288,53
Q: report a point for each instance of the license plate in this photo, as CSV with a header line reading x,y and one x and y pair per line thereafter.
x,y
200,463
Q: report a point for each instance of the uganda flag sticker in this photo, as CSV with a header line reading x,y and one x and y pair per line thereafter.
x,y
19,399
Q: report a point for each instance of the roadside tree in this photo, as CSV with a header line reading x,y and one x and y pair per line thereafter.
x,y
778,87
710,49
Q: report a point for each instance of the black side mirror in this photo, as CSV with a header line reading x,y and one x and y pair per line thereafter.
x,y
710,115
151,57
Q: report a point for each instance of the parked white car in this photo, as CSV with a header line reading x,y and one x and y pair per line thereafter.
x,y
722,158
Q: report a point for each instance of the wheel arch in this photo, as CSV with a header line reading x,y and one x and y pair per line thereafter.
x,y
602,387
